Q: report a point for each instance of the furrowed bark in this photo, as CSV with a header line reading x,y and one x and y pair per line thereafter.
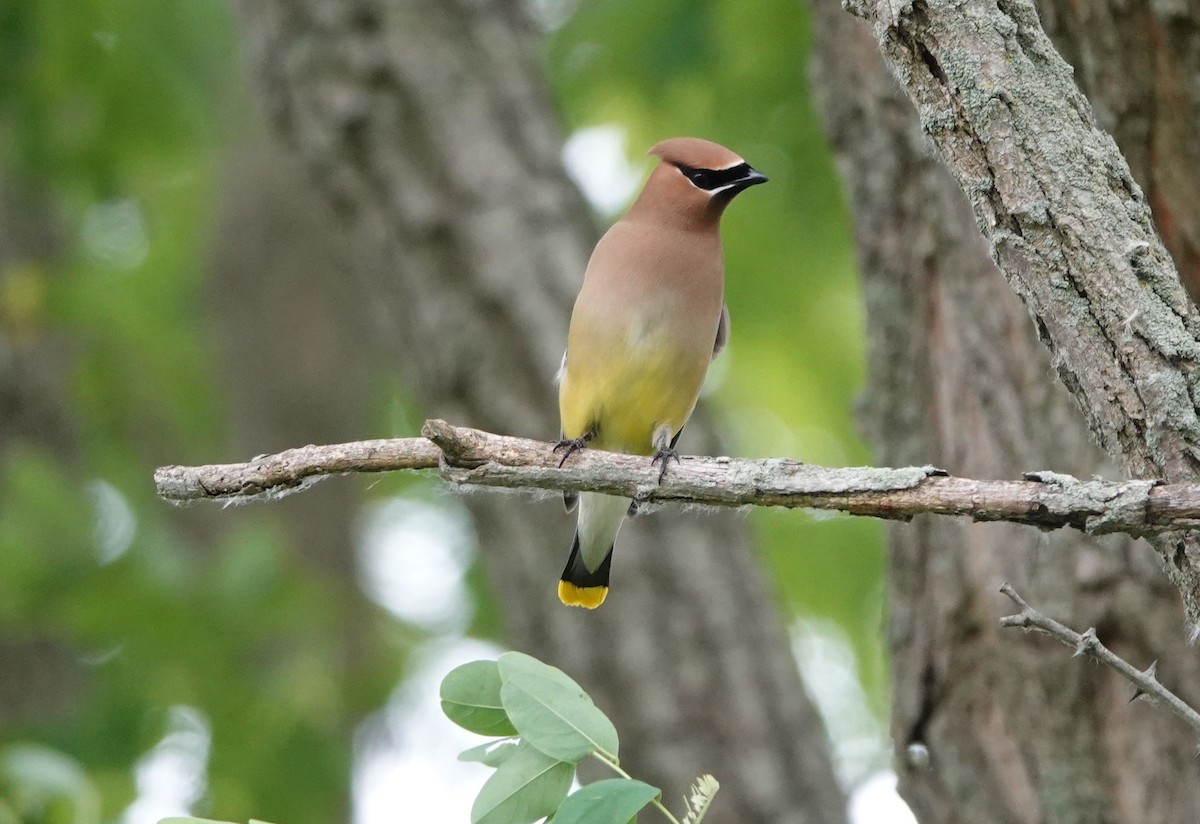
x,y
1014,732
1136,62
1067,225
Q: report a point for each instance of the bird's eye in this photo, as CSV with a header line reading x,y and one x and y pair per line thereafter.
x,y
699,177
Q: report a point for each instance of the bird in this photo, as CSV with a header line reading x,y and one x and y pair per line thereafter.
x,y
649,319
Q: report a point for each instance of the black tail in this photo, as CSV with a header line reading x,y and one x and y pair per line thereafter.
x,y
581,587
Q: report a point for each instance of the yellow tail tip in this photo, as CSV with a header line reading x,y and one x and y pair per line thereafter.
x,y
586,597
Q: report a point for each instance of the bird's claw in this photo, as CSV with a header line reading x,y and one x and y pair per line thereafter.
x,y
664,456
569,446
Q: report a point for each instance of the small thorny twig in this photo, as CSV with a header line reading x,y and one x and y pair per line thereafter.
x,y
1146,680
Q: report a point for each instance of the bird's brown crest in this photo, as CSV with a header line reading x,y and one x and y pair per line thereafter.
x,y
695,152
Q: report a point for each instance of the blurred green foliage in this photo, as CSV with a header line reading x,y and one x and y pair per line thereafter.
x,y
120,114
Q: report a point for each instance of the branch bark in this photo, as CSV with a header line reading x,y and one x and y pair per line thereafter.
x,y
1067,225
469,457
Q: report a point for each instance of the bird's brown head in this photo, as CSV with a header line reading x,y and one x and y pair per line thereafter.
x,y
695,180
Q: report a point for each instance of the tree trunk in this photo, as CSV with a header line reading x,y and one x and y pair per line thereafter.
x,y
991,726
1137,63
426,126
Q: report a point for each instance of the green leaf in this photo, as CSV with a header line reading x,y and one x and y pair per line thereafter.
x,y
493,753
611,801
471,698
529,785
552,712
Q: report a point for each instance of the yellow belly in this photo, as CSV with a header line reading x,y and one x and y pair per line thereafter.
x,y
627,396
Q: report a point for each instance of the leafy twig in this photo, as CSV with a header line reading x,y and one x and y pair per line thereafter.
x,y
612,764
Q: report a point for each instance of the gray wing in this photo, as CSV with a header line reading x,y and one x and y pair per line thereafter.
x,y
722,331
569,498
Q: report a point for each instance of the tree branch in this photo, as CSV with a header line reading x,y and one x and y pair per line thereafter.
x,y
469,457
1146,681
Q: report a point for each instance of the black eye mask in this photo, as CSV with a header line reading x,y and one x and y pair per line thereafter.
x,y
709,179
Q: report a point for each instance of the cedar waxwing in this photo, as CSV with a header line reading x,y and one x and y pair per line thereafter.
x,y
649,319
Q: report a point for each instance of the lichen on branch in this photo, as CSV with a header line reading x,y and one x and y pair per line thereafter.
x,y
472,458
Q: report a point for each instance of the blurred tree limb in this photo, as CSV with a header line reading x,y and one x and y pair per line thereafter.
x,y
470,457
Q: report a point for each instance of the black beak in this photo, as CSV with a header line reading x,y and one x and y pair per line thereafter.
x,y
749,177
752,178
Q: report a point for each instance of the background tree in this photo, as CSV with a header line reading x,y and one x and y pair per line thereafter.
x,y
428,130
1014,731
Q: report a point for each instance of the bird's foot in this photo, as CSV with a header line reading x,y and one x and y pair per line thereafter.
x,y
569,446
664,455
